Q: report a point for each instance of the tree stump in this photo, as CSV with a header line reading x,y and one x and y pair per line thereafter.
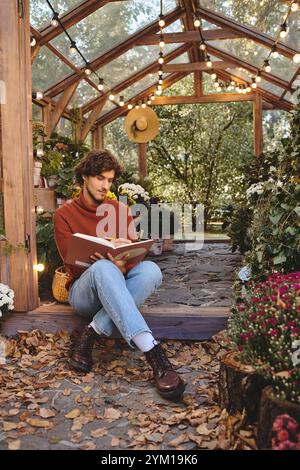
x,y
270,408
240,387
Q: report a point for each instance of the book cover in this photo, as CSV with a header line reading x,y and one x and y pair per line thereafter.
x,y
82,246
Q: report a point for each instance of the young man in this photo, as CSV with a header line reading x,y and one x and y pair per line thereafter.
x,y
109,292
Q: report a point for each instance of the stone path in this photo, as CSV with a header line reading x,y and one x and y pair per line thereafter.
x,y
198,278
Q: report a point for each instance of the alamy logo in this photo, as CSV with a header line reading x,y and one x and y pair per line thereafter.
x,y
296,354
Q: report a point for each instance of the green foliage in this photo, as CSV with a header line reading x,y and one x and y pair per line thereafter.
x,y
46,247
238,228
275,231
264,325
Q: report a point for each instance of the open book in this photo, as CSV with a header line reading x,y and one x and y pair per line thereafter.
x,y
82,246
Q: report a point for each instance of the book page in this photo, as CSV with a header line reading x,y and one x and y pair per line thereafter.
x,y
99,240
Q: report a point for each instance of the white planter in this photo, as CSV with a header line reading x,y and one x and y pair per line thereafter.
x,y
52,181
156,248
37,173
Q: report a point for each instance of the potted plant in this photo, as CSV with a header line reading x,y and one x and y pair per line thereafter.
x,y
51,164
263,328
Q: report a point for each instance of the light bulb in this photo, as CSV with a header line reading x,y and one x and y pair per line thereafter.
x,y
87,71
294,6
216,84
202,46
283,31
121,102
38,95
137,106
248,89
160,72
39,210
197,23
54,20
209,63
111,97
159,87
161,60
100,85
258,78
144,105
219,88
296,59
267,66
130,106
244,91
161,22
158,92
254,84
213,76
232,83
274,52
148,101
152,98
161,43
73,49
39,267
32,41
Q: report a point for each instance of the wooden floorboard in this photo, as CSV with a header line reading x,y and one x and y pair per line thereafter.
x,y
183,322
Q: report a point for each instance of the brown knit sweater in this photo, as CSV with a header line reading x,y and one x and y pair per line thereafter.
x,y
80,216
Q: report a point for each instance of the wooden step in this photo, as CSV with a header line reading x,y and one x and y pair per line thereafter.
x,y
182,322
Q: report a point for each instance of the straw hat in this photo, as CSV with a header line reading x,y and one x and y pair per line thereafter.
x,y
141,125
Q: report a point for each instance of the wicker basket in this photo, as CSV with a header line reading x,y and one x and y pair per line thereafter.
x,y
59,290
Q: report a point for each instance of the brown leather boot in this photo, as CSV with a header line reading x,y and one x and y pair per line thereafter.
x,y
168,382
81,354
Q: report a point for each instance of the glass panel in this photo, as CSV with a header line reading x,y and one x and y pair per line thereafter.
x,y
41,14
138,87
255,54
125,150
292,98
47,69
83,94
131,62
109,106
265,15
181,59
65,128
276,125
89,140
108,26
37,112
185,86
176,27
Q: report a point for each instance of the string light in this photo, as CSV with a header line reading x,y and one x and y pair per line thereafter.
x,y
161,22
197,22
87,70
73,47
111,97
39,210
100,85
161,58
121,102
160,72
152,98
258,77
54,20
129,106
213,76
267,66
274,52
283,30
294,6
144,105
158,91
202,46
32,41
38,95
253,84
208,62
296,59
161,42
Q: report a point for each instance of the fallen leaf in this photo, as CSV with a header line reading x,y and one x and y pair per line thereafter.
x,y
73,413
13,411
67,392
115,441
39,423
8,426
46,413
14,445
178,440
99,432
88,446
202,429
112,414
87,389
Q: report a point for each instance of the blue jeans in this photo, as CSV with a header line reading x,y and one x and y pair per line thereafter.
x,y
104,294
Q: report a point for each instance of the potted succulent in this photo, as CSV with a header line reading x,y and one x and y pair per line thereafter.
x,y
264,328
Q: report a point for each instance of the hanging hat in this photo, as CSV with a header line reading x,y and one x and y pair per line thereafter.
x,y
141,125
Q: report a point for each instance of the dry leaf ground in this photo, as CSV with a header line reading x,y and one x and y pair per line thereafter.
x,y
45,405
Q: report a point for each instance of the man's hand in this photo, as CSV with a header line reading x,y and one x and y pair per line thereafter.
x,y
119,263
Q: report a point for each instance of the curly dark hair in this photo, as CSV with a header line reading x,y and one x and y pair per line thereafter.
x,y
95,162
